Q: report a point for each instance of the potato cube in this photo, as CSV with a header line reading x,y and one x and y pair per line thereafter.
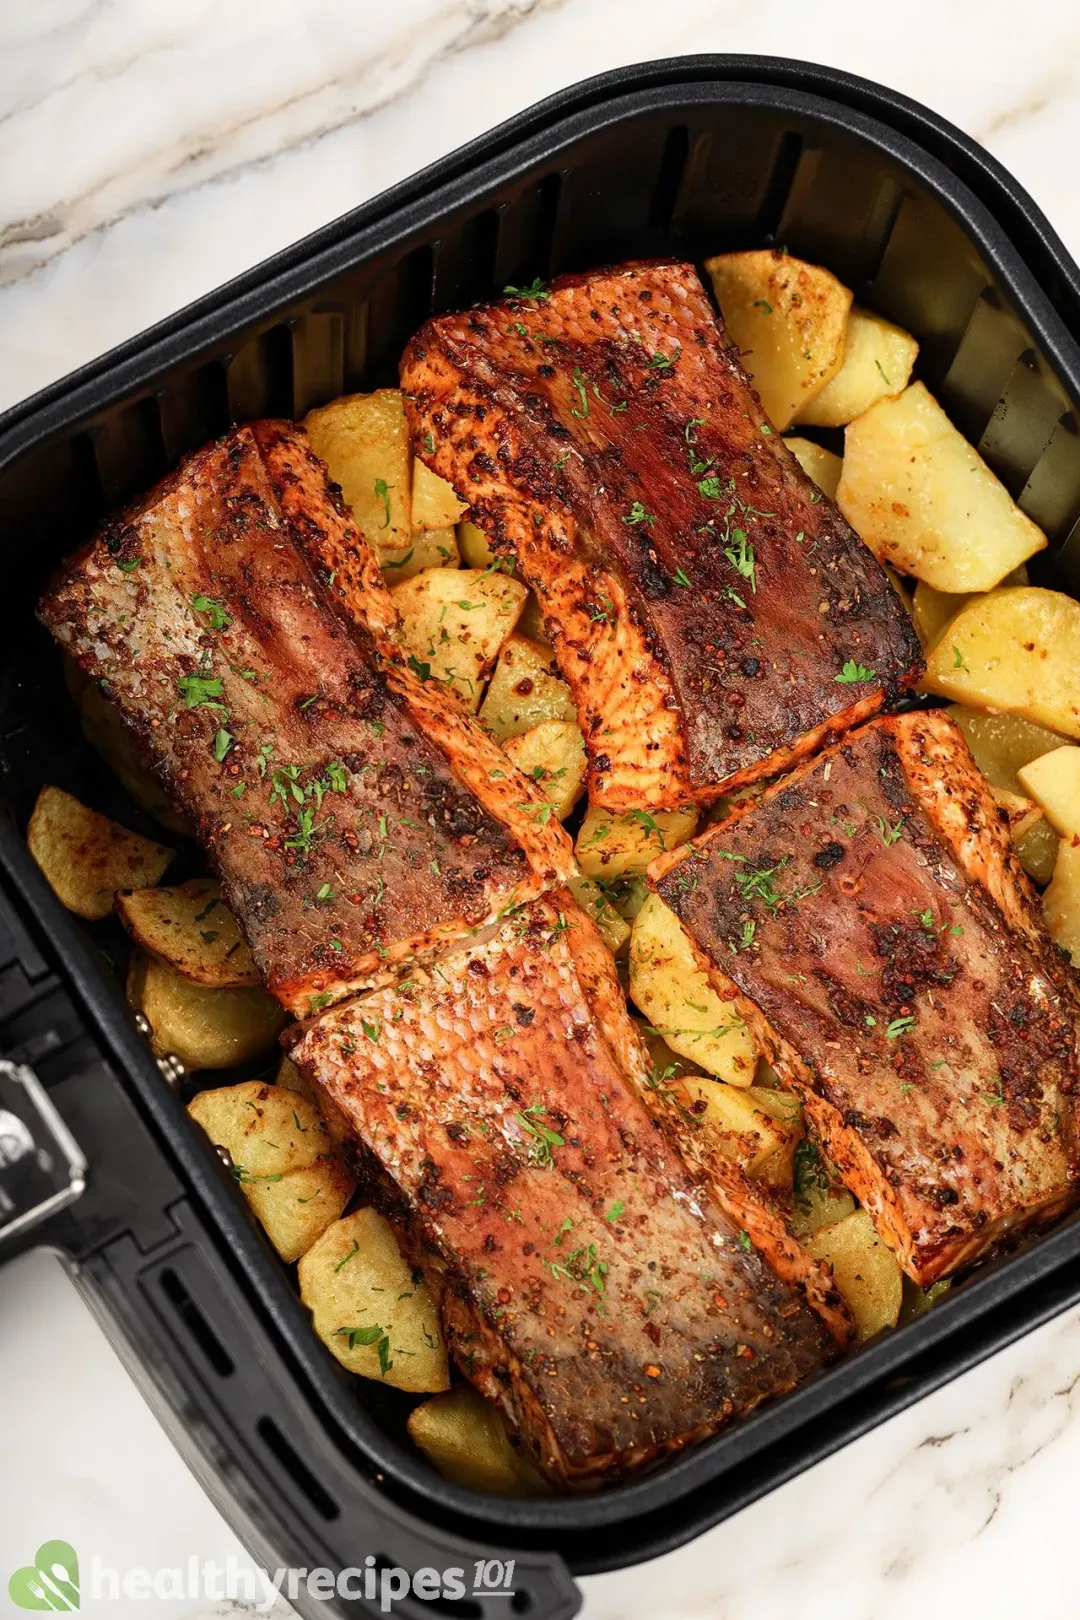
x,y
1022,814
370,1309
341,1129
525,689
1053,781
364,442
789,320
1061,902
866,1271
474,545
925,501
822,465
1017,650
282,1159
85,857
614,930
756,1127
434,504
465,1437
455,621
192,929
621,843
204,1027
427,548
934,610
675,994
1002,743
105,729
553,755
878,358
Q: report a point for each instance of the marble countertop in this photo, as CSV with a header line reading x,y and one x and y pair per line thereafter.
x,y
148,154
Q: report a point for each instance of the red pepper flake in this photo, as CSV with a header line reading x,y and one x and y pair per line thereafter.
x,y
653,1371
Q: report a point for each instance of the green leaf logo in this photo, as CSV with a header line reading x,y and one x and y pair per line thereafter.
x,y
51,1582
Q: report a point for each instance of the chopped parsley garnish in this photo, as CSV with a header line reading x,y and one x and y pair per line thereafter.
x,y
615,1211
418,668
223,741
536,289
744,1241
763,304
740,554
399,562
899,1026
958,661
680,577
382,493
201,691
853,672
638,514
372,1030
544,1139
353,1252
889,835
429,443
129,565
219,616
664,362
580,410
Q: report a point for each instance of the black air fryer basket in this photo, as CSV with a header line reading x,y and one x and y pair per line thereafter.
x,y
686,157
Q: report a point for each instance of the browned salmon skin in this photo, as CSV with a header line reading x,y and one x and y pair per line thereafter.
x,y
713,612
893,962
590,1289
345,838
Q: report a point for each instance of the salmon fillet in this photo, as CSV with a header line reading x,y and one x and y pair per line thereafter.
x,y
348,809
714,614
590,1289
892,960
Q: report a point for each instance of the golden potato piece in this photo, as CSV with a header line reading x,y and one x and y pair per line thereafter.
x,y
525,689
1016,650
86,857
866,1271
337,1120
104,729
474,545
1037,851
465,1438
755,1126
282,1159
819,1198
192,929
205,1028
788,318
1053,781
531,623
365,444
934,610
1022,814
592,898
617,843
1002,743
926,502
1061,902
370,1309
455,621
553,755
434,504
675,995
878,358
428,548
817,463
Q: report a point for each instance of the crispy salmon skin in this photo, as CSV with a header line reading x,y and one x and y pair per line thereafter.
x,y
589,1288
344,835
712,611
893,962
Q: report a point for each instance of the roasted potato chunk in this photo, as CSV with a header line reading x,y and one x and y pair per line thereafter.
x,y
204,1027
282,1159
434,504
592,899
866,1271
818,1197
925,501
337,1120
756,1127
817,463
676,996
85,857
1061,902
933,611
192,929
365,444
474,545
370,1309
455,623
525,689
616,843
553,755
1053,781
878,358
1001,744
465,1438
427,548
789,320
1014,650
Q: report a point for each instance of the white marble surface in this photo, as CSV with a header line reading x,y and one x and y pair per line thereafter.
x,y
148,152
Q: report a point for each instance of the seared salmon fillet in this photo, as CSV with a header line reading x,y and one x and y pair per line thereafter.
x,y
352,820
589,1289
892,961
714,614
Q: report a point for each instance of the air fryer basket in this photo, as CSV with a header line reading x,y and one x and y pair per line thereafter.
x,y
679,158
